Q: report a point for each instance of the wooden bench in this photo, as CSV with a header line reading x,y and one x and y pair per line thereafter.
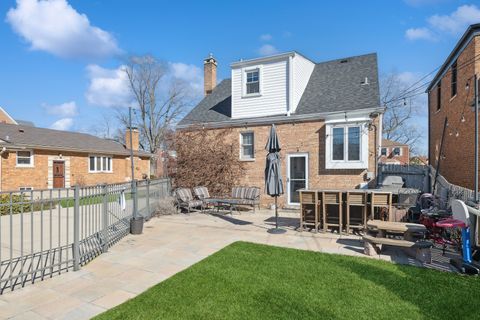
x,y
419,249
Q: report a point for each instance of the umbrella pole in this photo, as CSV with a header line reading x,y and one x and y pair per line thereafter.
x,y
276,213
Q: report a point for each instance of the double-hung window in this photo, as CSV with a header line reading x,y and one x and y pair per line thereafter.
x,y
397,151
24,158
383,151
454,78
100,164
439,95
247,149
345,146
346,143
252,81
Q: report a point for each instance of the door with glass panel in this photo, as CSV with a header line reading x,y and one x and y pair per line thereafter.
x,y
297,176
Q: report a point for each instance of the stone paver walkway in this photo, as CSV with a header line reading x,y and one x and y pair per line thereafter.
x,y
169,244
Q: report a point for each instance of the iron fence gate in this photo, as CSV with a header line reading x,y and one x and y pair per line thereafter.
x,y
48,232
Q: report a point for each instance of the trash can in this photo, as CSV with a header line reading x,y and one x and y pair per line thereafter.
x,y
136,225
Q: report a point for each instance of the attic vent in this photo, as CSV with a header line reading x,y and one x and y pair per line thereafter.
x,y
344,61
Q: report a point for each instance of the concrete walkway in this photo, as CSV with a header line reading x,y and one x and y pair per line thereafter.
x,y
169,244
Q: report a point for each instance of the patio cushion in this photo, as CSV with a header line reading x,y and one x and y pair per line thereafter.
x,y
184,194
201,192
252,193
238,192
195,203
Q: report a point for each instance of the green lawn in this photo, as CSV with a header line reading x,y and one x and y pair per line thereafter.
x,y
250,281
84,201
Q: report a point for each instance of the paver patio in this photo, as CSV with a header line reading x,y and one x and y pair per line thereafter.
x,y
169,244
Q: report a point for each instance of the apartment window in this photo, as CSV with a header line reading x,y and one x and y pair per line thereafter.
x,y
346,143
25,189
439,95
247,146
397,151
383,151
252,81
24,158
100,164
454,78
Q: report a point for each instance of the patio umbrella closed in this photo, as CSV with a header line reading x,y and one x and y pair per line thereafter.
x,y
273,173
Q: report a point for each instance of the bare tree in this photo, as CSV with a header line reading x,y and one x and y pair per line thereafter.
x,y
401,109
159,99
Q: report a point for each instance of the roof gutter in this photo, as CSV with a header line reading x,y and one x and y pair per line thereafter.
x,y
15,147
278,119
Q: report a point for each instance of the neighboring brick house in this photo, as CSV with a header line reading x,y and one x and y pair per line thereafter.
x,y
451,95
327,115
394,152
38,158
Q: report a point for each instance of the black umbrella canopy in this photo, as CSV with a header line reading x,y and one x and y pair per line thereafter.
x,y
273,170
273,144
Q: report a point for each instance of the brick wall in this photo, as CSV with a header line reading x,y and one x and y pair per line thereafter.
x,y
306,137
458,165
76,170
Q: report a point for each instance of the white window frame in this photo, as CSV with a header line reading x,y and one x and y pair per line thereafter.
x,y
386,151
244,81
242,157
25,189
362,163
22,165
101,157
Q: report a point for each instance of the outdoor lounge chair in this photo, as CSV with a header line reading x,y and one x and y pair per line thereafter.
x,y
247,195
201,193
185,199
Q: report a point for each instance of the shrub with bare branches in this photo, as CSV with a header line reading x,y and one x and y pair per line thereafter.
x,y
206,158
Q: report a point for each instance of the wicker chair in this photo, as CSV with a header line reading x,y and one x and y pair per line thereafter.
x,y
185,199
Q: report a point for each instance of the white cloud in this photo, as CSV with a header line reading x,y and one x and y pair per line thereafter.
x,y
457,21
108,87
56,27
62,124
267,49
190,74
67,109
266,37
419,34
453,24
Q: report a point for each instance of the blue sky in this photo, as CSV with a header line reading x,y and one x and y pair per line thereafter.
x,y
60,59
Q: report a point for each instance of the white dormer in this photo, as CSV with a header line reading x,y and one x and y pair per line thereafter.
x,y
269,86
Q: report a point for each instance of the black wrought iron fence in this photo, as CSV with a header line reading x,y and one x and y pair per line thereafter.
x,y
48,232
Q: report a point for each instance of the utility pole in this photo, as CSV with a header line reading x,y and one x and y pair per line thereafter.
x,y
132,164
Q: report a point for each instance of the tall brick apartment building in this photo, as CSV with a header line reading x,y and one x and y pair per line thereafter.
x,y
38,158
451,95
327,114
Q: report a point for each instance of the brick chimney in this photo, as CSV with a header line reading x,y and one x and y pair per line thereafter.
x,y
209,74
135,138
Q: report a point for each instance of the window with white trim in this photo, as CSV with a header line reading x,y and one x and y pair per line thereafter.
x,y
25,189
24,158
252,81
383,151
397,151
346,146
100,164
247,148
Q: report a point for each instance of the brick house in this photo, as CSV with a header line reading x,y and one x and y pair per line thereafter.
x,y
451,95
327,114
394,152
38,158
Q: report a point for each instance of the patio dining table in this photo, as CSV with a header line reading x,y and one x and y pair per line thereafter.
x,y
407,229
224,202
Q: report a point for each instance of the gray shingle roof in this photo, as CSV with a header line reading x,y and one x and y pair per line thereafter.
x,y
32,137
334,86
